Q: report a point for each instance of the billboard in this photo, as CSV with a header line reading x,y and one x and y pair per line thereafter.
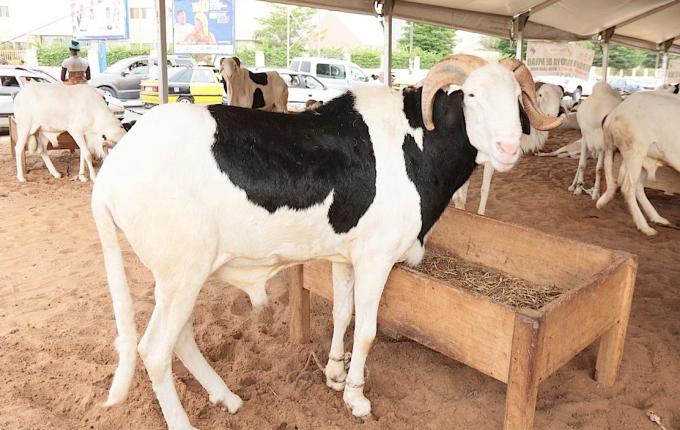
x,y
102,19
673,74
559,59
203,26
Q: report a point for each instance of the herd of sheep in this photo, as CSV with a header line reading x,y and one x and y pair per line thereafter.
x,y
359,181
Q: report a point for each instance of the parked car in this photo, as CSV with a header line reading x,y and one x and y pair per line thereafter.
x,y
121,79
625,86
14,78
333,73
303,87
186,85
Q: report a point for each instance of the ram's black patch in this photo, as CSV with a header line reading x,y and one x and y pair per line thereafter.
x,y
258,99
258,78
677,89
296,161
447,159
524,120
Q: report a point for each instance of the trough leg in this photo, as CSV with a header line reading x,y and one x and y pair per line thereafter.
x,y
610,352
523,378
299,306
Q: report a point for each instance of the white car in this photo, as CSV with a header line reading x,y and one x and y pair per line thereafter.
x,y
332,72
303,87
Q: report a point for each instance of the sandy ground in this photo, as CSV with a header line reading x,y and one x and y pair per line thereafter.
x,y
57,327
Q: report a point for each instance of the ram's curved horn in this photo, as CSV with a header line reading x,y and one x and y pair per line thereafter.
x,y
452,70
538,119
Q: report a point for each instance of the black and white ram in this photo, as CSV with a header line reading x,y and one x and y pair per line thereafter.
x,y
264,90
43,111
244,193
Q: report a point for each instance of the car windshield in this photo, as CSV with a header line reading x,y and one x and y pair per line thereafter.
x,y
181,74
26,79
119,66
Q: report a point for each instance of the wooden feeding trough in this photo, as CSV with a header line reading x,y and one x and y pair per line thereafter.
x,y
518,346
64,139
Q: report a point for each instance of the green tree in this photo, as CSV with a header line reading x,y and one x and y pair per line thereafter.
x,y
273,33
620,57
505,47
429,38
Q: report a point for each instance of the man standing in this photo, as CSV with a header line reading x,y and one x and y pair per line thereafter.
x,y
74,69
182,28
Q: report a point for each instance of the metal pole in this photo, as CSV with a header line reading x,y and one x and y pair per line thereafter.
x,y
605,61
664,66
520,22
163,54
287,35
387,30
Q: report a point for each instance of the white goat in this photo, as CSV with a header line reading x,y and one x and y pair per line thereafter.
x,y
43,111
549,98
244,194
644,128
590,115
265,90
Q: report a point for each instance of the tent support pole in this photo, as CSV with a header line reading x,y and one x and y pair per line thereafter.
x,y
387,6
605,37
519,22
665,46
162,54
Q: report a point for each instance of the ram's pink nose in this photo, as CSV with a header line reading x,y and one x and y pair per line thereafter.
x,y
507,148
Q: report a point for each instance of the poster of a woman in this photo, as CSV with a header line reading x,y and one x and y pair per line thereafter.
x,y
201,33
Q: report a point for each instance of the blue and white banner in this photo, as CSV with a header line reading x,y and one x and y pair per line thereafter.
x,y
203,26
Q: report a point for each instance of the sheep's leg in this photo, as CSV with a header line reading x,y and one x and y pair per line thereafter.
x,y
175,300
188,352
486,187
647,207
370,281
612,183
628,188
22,140
46,159
595,191
577,185
343,301
460,196
85,156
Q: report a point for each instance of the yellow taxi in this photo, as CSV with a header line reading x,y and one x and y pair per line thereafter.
x,y
186,85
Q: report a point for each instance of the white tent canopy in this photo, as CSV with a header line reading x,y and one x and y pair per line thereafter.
x,y
646,24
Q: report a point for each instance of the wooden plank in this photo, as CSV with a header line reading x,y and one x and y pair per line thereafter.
x,y
463,326
300,331
577,318
667,179
612,342
527,347
518,250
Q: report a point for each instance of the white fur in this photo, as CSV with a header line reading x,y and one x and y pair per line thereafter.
x,y
186,220
644,129
43,111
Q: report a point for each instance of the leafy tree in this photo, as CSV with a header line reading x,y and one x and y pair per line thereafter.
x,y
505,47
54,54
429,38
273,34
620,57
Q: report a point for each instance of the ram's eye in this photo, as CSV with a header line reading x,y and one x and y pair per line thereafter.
x,y
471,94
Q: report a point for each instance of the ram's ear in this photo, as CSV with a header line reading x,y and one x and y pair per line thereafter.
x,y
524,120
238,62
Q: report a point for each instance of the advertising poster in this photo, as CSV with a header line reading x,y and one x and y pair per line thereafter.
x,y
101,19
559,59
203,26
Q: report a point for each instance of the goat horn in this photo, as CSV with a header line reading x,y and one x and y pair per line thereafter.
x,y
538,119
452,70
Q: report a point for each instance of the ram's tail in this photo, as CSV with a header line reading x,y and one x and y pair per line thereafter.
x,y
126,342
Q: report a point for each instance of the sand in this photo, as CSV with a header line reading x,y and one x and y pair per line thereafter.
x,y
57,327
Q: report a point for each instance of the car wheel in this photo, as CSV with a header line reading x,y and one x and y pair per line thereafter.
x,y
148,105
108,92
184,99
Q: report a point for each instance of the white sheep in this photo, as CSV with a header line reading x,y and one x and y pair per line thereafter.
x,y
43,111
644,128
265,90
590,115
